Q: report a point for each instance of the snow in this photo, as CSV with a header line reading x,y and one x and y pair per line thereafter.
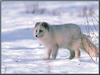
x,y
23,54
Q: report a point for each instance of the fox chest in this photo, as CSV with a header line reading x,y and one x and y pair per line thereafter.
x,y
48,41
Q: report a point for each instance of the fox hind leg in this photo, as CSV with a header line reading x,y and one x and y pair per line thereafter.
x,y
77,53
72,54
75,49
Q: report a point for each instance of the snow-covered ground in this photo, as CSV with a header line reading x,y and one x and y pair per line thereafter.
x,y
22,53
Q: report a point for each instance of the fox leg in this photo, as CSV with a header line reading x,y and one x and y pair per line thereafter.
x,y
76,48
72,54
49,53
77,53
54,52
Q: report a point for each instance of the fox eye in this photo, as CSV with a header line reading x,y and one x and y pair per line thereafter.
x,y
40,31
36,30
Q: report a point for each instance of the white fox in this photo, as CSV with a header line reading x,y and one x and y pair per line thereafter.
x,y
67,36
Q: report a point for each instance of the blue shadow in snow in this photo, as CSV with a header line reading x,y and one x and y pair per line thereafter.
x,y
18,34
23,48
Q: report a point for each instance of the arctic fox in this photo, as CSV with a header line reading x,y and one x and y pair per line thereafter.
x,y
67,36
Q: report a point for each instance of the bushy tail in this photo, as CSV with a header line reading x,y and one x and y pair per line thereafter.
x,y
89,47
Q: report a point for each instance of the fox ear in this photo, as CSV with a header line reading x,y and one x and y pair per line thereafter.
x,y
45,24
37,23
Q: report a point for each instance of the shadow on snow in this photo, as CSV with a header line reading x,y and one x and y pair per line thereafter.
x,y
18,34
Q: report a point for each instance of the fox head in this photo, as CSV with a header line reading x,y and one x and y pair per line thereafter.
x,y
40,29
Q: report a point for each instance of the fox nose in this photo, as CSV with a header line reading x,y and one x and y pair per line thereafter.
x,y
36,35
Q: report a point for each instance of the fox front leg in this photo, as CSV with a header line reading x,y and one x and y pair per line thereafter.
x,y
54,52
49,53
